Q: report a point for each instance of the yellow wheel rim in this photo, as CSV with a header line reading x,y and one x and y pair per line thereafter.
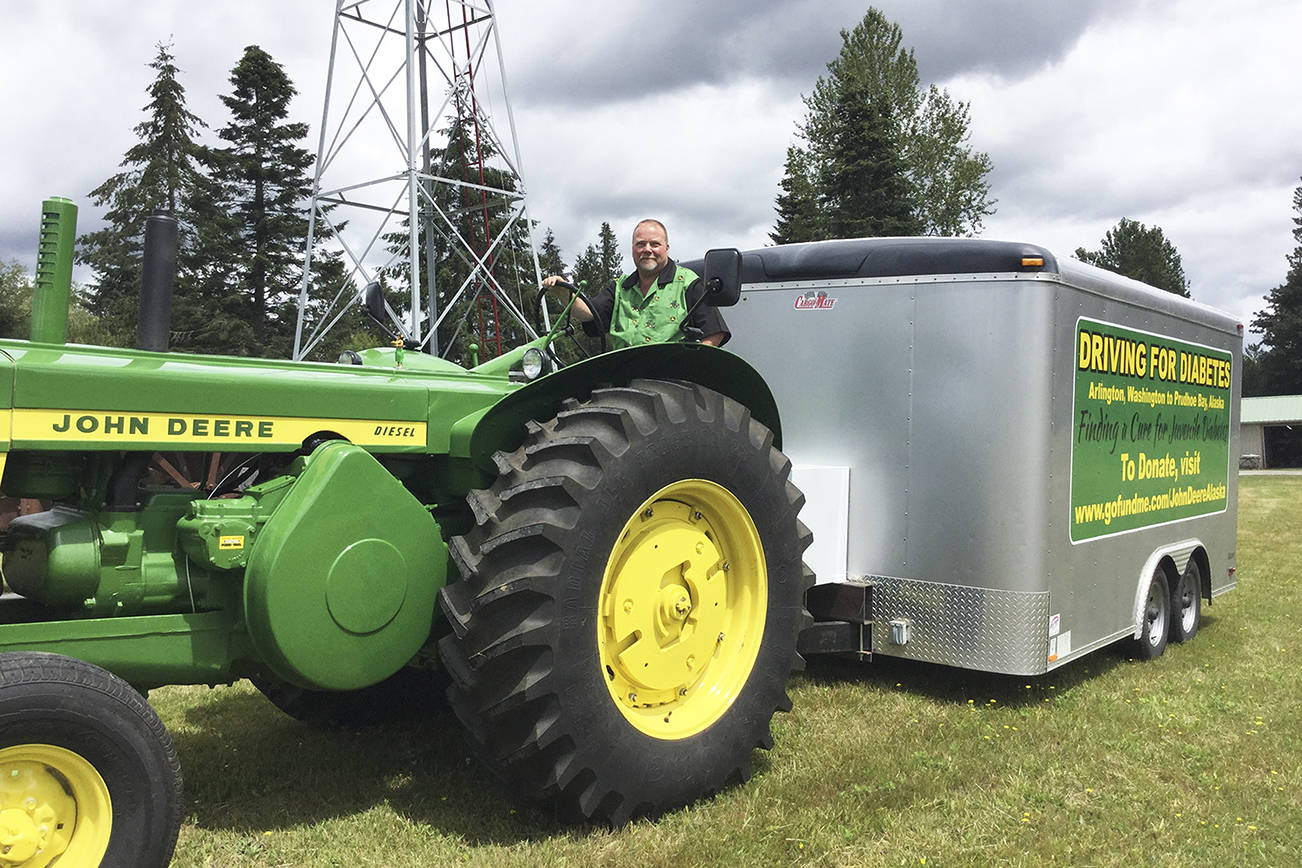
x,y
53,805
682,609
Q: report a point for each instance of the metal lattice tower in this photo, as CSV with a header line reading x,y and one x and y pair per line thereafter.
x,y
390,61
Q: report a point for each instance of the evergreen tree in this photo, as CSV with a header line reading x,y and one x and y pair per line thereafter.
x,y
865,192
1280,322
550,260
264,184
612,261
163,171
944,179
600,263
799,215
1142,253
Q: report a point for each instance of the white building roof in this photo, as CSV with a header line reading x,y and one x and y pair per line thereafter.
x,y
1271,410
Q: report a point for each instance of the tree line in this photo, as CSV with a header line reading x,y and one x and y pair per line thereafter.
x,y
241,205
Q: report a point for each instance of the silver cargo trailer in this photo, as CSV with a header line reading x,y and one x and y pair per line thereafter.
x,y
1009,459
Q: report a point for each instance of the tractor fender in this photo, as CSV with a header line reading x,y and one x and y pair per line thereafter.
x,y
502,426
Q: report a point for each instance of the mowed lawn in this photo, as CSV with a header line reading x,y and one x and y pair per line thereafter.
x,y
1193,759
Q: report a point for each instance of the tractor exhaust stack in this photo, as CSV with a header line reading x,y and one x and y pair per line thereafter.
x,y
158,280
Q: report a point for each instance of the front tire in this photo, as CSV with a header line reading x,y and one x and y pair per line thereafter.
x,y
632,594
88,773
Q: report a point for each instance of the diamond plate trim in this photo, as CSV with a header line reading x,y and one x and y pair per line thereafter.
x,y
959,625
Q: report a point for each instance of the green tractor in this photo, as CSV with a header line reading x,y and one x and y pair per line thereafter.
x,y
602,562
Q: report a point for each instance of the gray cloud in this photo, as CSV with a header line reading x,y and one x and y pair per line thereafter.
x,y
620,53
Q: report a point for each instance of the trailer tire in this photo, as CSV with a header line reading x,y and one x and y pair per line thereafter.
x,y
405,695
1186,603
603,687
80,746
1155,618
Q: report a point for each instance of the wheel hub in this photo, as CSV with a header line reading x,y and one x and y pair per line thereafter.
x,y
52,804
682,609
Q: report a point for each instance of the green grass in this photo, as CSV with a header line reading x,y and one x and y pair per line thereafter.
x,y
1193,759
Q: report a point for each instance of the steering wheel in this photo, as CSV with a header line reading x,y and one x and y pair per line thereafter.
x,y
575,292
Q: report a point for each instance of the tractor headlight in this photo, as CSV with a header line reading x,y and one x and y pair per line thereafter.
x,y
350,357
532,363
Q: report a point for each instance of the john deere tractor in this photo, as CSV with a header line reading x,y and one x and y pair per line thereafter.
x,y
602,561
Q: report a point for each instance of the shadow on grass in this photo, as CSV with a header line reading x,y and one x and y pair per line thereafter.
x,y
251,769
947,684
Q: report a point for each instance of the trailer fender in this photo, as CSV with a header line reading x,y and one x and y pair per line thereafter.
x,y
341,583
501,426
1172,559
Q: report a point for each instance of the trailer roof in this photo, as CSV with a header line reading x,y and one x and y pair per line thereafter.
x,y
891,257
883,258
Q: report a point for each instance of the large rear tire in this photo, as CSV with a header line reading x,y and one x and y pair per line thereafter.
x,y
631,597
88,773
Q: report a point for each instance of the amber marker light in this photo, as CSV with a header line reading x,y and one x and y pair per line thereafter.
x,y
1032,262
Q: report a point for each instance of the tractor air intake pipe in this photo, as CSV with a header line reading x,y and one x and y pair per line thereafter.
x,y
158,280
53,271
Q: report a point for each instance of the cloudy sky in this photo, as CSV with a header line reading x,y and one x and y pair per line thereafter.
x,y
1180,113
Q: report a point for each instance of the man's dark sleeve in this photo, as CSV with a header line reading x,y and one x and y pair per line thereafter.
x,y
705,317
602,306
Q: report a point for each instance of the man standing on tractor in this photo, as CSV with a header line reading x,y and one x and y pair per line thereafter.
x,y
659,302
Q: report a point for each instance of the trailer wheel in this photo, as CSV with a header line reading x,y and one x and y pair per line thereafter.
x,y
1156,618
407,694
88,773
1186,603
632,594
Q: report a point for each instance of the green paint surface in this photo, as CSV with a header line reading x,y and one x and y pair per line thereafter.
x,y
1150,430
